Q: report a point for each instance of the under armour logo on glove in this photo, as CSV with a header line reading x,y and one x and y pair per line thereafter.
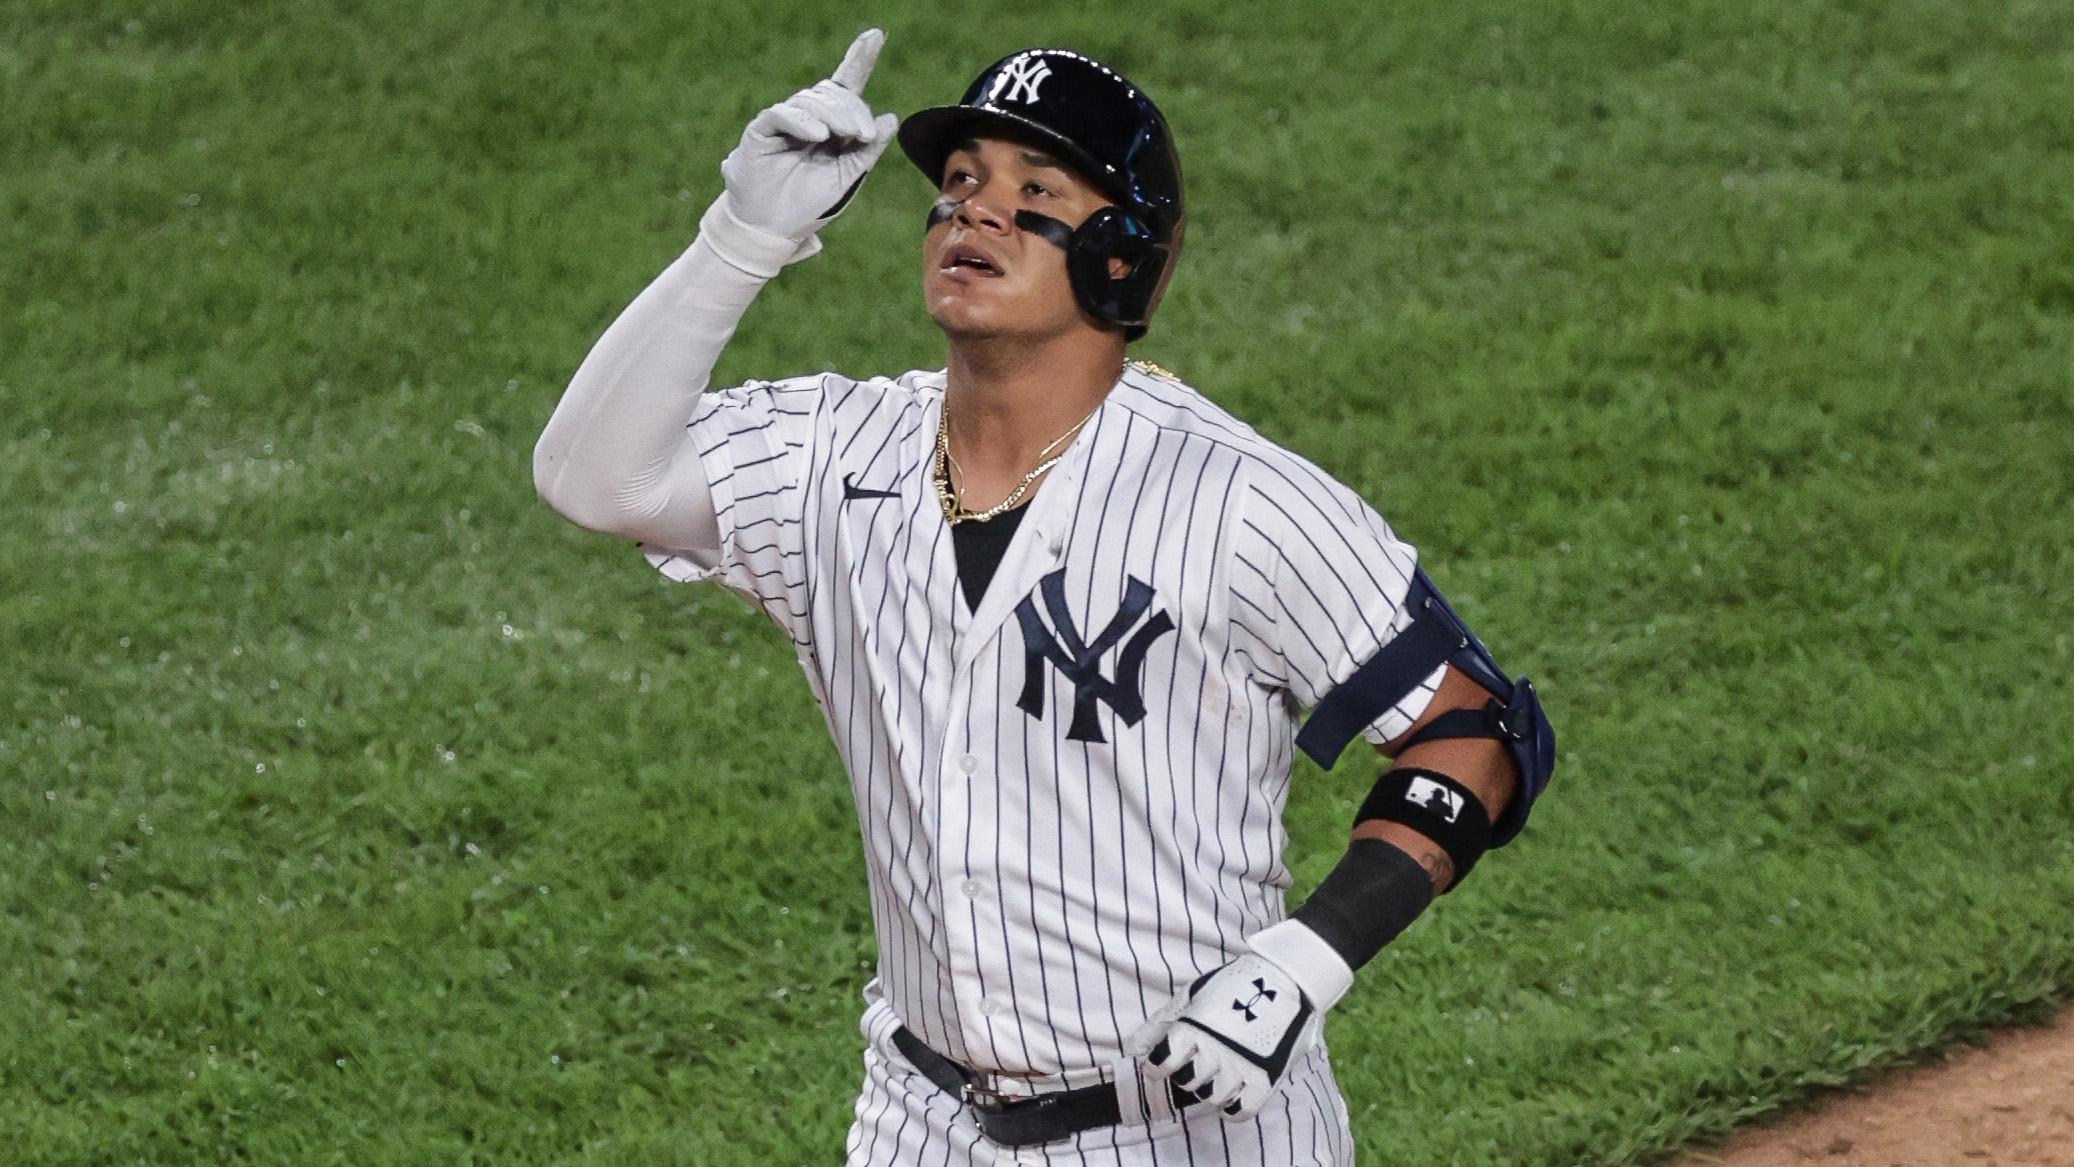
x,y
1231,1062
1260,992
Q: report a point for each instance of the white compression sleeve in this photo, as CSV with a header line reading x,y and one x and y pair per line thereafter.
x,y
616,456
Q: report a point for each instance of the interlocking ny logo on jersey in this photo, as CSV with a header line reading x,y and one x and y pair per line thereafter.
x,y
1020,79
1080,661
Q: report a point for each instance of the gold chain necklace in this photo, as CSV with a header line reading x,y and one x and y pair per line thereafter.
x,y
954,511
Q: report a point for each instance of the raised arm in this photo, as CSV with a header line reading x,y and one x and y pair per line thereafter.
x,y
616,457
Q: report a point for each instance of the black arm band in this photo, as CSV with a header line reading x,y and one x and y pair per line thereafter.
x,y
1437,807
1375,893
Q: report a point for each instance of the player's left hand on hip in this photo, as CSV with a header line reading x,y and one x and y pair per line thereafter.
x,y
1230,1037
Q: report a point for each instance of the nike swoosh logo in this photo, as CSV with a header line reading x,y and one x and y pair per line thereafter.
x,y
852,490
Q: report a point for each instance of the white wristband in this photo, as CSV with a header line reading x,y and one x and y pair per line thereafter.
x,y
755,251
1322,974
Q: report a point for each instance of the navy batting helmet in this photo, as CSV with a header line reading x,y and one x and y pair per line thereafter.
x,y
1109,129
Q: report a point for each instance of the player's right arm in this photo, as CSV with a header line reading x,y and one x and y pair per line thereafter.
x,y
617,456
1331,607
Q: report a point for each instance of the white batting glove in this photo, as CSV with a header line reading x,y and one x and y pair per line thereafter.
x,y
1230,1038
797,166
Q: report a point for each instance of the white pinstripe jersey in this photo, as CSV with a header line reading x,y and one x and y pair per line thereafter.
x,y
1071,796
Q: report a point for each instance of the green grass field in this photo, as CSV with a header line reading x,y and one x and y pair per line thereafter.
x,y
358,810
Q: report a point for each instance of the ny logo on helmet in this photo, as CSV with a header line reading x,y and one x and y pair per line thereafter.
x,y
1020,79
1081,663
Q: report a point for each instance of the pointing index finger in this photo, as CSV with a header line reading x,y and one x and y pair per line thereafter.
x,y
858,62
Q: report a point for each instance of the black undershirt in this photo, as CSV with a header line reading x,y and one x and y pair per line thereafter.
x,y
978,546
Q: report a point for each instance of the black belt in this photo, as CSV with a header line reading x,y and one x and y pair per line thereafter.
x,y
1016,1121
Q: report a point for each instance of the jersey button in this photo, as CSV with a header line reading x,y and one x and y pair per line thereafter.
x,y
993,1007
968,764
973,889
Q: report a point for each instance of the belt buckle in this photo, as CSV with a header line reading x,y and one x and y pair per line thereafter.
x,y
984,1100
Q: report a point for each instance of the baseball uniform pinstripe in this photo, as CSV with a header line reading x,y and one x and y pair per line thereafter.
x,y
1070,796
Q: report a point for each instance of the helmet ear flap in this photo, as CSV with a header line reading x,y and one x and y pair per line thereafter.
x,y
1126,298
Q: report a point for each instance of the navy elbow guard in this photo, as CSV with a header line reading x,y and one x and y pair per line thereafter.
x,y
1436,636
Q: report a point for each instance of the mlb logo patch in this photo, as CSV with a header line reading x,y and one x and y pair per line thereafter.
x,y
1434,797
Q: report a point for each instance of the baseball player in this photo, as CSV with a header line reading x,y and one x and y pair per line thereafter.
x,y
1068,622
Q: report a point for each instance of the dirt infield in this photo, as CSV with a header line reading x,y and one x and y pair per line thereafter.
x,y
2011,1102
